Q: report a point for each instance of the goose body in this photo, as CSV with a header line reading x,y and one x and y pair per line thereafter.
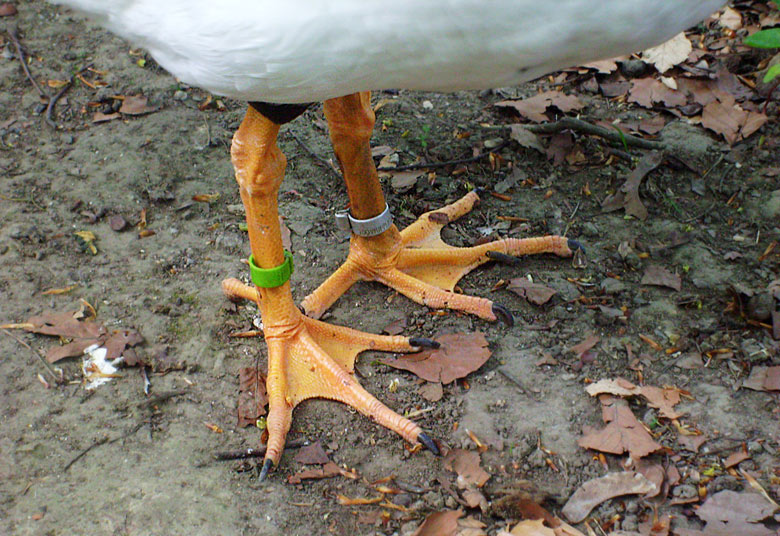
x,y
297,51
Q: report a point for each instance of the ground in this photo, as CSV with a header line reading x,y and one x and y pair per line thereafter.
x,y
151,470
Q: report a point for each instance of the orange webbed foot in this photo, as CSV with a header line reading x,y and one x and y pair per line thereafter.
x,y
420,265
308,358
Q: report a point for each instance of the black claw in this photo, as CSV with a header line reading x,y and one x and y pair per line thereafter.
x,y
503,314
267,465
502,257
428,443
422,342
574,245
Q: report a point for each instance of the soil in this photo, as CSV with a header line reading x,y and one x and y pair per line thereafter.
x,y
151,470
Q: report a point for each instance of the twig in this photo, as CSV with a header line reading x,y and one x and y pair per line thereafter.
x,y
60,93
162,397
320,160
23,59
45,363
103,441
578,125
423,165
243,454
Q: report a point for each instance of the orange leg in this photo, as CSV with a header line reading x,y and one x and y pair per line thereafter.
x,y
306,358
415,262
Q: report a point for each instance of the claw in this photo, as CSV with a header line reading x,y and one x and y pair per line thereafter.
x,y
503,314
423,342
502,257
267,465
428,443
574,245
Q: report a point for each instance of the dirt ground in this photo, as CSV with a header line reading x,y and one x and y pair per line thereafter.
x,y
150,470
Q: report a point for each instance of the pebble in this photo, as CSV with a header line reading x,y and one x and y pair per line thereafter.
x,y
633,68
685,491
180,95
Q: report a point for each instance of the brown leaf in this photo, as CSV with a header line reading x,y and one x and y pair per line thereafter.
x,y
763,379
312,454
663,400
623,433
596,491
646,92
668,54
286,234
735,459
7,9
459,355
118,340
403,181
432,392
395,327
661,277
589,342
729,512
723,119
135,105
627,197
531,527
440,524
533,292
466,464
534,107
691,443
100,117
328,470
526,138
252,396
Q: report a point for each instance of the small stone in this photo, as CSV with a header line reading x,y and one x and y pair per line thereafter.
x,y
633,68
610,285
685,491
427,105
117,222
180,95
590,230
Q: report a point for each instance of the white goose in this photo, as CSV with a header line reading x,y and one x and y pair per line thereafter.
x,y
281,55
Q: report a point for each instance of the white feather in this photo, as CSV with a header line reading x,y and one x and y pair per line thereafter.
x,y
290,51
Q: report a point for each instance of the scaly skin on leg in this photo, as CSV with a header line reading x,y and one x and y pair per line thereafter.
x,y
415,262
306,358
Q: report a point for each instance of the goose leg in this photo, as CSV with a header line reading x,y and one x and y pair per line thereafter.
x,y
306,358
415,262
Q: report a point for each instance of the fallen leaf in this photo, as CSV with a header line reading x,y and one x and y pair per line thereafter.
x,y
735,459
328,470
395,327
531,527
432,392
647,92
730,18
348,501
668,54
440,524
728,512
627,197
691,443
7,9
466,464
403,181
763,379
589,342
534,107
526,138
623,433
661,277
135,105
100,117
252,396
533,292
312,454
596,491
662,399
459,355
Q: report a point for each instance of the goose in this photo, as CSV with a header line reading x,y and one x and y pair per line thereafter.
x,y
281,56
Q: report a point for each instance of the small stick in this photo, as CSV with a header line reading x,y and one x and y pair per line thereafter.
x,y
243,454
162,397
103,441
60,93
320,160
424,165
46,364
23,59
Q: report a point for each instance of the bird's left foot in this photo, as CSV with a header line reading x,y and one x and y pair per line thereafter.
x,y
418,264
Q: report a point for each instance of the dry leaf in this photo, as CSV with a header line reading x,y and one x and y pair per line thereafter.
x,y
623,433
100,117
135,105
432,392
533,292
403,181
466,464
589,342
252,396
646,92
328,470
312,454
735,459
531,527
763,379
534,107
627,197
440,524
662,399
728,512
668,54
661,277
596,491
526,138
459,355
395,327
